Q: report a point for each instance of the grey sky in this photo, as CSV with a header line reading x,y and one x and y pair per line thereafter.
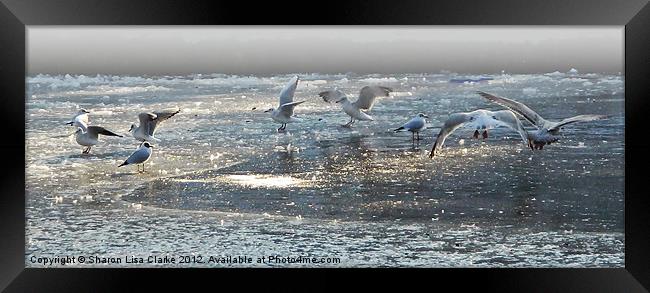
x,y
283,49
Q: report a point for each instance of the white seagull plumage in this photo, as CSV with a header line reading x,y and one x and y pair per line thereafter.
x,y
80,119
415,125
149,122
358,109
90,136
284,113
140,156
547,131
479,120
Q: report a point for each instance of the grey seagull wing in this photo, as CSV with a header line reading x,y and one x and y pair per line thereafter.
x,y
368,95
453,122
516,107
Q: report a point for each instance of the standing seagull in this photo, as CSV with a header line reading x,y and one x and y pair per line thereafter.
x,y
284,113
149,122
479,119
80,119
90,136
415,125
547,131
140,156
366,100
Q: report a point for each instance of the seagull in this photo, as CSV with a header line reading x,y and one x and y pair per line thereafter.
x,y
547,131
149,122
80,119
355,110
284,113
479,119
415,125
140,156
90,136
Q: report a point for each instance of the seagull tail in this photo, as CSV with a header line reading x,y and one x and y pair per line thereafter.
x,y
398,129
69,123
125,163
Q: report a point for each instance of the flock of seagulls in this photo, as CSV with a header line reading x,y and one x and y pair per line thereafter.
x,y
481,120
88,135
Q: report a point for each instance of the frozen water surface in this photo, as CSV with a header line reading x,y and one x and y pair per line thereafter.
x,y
223,182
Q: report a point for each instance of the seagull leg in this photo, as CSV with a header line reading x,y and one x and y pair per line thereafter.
x,y
485,134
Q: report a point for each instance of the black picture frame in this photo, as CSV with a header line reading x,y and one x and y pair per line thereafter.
x,y
15,15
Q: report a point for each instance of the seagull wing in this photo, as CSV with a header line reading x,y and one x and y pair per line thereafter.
x,y
453,122
332,95
95,131
579,118
509,119
414,123
139,156
146,119
151,120
287,109
81,119
368,94
517,107
286,95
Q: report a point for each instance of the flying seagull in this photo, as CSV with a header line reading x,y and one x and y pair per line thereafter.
x,y
90,136
363,104
547,131
284,113
80,119
479,119
140,156
414,125
149,122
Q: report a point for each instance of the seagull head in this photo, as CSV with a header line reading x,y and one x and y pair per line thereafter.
x,y
423,115
83,111
146,144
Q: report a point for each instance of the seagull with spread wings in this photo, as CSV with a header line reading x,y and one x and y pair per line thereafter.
x,y
478,120
284,113
149,122
363,104
90,136
547,131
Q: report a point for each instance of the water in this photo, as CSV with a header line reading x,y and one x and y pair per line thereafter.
x,y
222,182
